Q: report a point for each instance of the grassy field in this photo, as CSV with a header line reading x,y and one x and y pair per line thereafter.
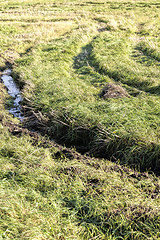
x,y
63,54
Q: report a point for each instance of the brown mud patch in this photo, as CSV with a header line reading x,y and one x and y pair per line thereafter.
x,y
113,91
137,213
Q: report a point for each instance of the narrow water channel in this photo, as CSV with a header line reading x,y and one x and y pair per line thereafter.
x,y
14,92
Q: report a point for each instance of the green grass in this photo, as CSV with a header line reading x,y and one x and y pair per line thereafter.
x,y
46,195
68,73
63,53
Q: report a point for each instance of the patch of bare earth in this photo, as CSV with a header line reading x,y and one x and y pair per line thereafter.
x,y
113,91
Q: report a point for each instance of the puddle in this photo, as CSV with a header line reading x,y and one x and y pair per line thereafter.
x,y
14,92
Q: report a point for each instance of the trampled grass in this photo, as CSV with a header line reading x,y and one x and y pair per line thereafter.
x,y
47,194
63,53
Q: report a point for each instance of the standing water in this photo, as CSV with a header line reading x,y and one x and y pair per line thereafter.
x,y
14,92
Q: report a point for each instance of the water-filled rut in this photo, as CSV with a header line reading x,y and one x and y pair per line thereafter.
x,y
14,92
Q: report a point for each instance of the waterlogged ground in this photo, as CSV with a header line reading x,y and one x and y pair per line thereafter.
x,y
67,57
14,92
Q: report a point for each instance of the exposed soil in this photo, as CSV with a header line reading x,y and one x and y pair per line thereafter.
x,y
39,140
113,91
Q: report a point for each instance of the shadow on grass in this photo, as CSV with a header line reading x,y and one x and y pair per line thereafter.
x,y
84,67
126,150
